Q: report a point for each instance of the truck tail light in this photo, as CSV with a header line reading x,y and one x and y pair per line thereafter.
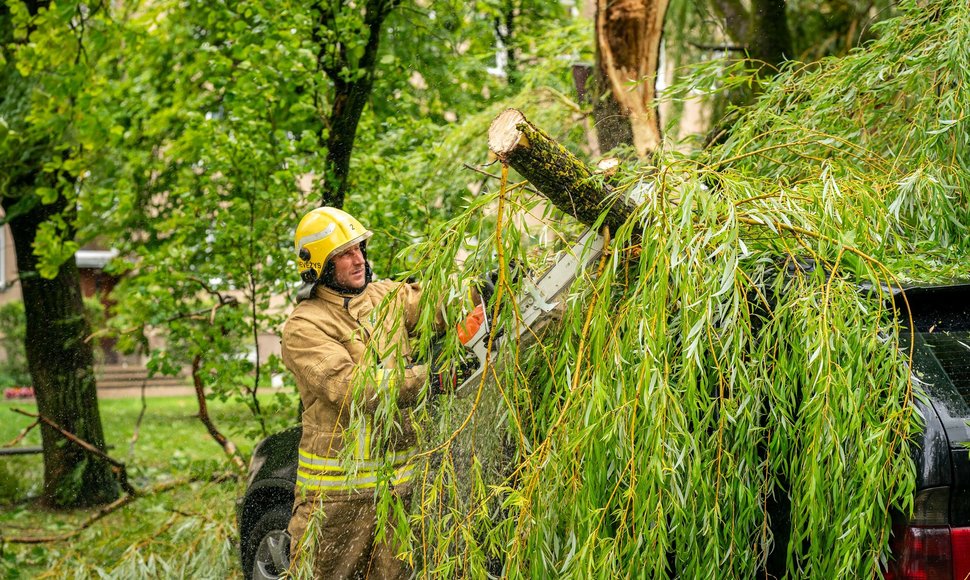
x,y
922,553
960,538
925,547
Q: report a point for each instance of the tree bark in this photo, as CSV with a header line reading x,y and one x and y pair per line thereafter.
x,y
348,105
558,174
613,127
763,32
628,37
770,40
61,367
505,31
737,21
350,96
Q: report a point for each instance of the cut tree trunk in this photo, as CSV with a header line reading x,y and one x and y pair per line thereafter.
x,y
558,174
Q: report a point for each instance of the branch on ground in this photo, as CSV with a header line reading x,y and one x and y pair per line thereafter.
x,y
20,437
114,506
117,467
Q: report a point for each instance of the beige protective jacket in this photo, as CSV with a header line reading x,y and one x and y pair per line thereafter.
x,y
324,346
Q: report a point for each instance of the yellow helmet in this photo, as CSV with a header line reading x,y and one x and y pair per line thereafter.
x,y
322,233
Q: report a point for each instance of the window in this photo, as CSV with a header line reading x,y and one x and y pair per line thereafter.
x,y
952,350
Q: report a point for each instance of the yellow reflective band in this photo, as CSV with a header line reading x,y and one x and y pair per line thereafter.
x,y
316,463
398,457
340,482
309,239
321,468
392,456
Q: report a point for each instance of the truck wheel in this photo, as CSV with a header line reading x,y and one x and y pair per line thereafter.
x,y
269,545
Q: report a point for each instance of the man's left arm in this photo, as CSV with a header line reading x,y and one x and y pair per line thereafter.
x,y
410,295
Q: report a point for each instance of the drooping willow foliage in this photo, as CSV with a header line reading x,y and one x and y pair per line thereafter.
x,y
721,396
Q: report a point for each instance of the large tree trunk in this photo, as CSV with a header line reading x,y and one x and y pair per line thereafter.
x,y
60,362
628,36
62,370
558,174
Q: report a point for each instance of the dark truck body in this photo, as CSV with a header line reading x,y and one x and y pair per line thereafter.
x,y
933,543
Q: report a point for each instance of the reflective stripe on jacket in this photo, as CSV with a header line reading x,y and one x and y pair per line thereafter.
x,y
324,345
326,473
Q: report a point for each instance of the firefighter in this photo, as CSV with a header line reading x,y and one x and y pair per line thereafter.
x,y
325,344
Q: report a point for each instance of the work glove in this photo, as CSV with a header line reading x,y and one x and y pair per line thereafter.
x,y
444,379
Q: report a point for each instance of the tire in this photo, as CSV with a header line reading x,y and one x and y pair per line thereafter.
x,y
268,547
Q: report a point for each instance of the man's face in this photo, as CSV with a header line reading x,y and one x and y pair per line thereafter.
x,y
350,270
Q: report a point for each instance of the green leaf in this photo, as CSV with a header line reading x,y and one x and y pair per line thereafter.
x,y
22,206
47,195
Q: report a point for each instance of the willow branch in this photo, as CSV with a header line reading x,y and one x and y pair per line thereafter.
x,y
492,176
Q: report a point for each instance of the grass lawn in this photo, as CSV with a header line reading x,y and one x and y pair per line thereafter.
x,y
189,531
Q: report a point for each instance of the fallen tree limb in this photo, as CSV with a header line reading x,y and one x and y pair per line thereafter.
x,y
117,467
558,174
102,512
121,473
20,436
113,507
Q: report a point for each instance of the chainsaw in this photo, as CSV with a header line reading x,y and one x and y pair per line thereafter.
x,y
536,300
